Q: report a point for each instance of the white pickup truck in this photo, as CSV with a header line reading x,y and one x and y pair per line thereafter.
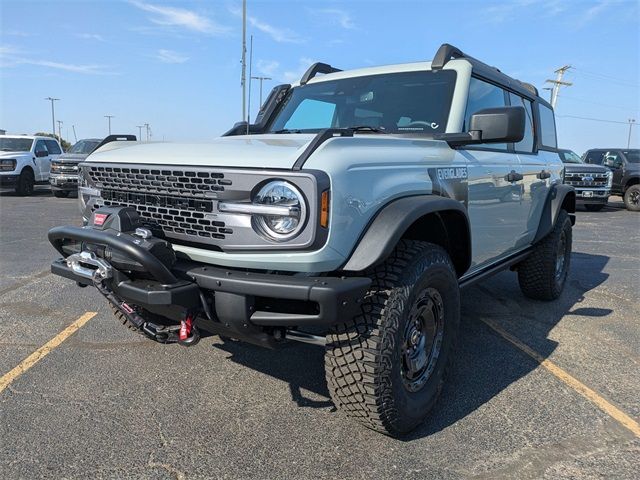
x,y
26,160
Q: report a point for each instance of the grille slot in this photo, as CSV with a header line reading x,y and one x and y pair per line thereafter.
x,y
176,200
577,179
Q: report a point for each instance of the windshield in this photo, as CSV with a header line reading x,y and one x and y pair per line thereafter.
x,y
570,157
407,102
9,144
633,156
84,146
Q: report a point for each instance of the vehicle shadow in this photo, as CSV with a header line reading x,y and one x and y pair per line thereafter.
x,y
484,364
39,191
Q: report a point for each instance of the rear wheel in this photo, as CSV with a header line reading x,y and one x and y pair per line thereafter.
x,y
386,366
26,182
61,193
632,198
543,273
595,207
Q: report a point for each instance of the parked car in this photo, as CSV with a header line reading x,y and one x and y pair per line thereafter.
x,y
625,166
344,218
64,169
592,183
26,161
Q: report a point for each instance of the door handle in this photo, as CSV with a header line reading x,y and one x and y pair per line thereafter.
x,y
513,176
544,175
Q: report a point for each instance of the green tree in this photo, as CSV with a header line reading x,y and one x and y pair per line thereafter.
x,y
65,145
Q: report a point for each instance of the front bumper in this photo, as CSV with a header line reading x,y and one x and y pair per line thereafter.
x,y
63,182
10,180
241,300
592,196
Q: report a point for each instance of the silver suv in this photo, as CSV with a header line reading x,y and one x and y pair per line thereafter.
x,y
351,215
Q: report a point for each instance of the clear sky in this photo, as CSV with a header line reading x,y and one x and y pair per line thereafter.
x,y
176,64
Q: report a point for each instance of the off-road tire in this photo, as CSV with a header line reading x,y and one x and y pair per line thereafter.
x,y
61,193
26,182
363,360
537,274
632,198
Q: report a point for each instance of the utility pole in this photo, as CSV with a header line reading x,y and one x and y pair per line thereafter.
x,y
557,83
109,117
139,132
60,122
74,133
250,77
53,114
244,59
261,79
631,122
148,127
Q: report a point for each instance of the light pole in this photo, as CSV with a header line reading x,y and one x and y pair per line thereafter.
x,y
139,132
631,122
53,114
109,117
148,127
261,79
74,133
60,122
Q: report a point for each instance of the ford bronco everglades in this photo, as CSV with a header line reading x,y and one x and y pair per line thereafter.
x,y
349,215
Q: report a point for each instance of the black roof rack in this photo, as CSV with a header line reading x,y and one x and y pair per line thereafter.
x,y
315,69
447,52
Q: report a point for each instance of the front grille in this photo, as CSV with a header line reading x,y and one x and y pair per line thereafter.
x,y
586,179
179,201
64,169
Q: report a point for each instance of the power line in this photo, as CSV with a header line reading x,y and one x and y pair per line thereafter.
x,y
605,77
592,119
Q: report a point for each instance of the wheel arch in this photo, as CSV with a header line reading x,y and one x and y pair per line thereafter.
x,y
435,219
630,182
560,197
27,167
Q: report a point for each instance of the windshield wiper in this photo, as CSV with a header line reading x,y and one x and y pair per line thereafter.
x,y
366,128
286,130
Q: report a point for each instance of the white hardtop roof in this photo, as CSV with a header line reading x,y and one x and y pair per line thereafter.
x,y
379,70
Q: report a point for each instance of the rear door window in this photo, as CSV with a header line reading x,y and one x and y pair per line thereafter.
x,y
526,144
548,136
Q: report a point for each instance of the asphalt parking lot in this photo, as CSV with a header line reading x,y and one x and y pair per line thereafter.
x,y
108,403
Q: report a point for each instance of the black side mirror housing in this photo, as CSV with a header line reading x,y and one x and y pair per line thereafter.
x,y
490,125
41,153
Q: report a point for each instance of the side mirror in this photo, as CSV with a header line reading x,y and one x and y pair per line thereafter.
x,y
41,153
490,125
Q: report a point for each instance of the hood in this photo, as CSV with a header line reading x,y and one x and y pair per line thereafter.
x,y
71,157
584,168
278,151
14,154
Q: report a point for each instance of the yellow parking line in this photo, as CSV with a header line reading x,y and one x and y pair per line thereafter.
x,y
44,350
563,376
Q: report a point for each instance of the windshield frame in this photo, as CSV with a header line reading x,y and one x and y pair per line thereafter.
x,y
452,88
17,138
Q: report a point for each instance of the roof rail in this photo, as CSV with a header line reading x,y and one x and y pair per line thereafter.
x,y
315,69
445,53
116,138
529,87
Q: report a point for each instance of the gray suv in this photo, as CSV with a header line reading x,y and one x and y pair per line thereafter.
x,y
352,214
64,169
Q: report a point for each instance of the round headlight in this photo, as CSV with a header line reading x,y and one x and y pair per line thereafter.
x,y
289,220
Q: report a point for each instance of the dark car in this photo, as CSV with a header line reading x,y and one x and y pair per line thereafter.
x,y
64,169
625,166
592,183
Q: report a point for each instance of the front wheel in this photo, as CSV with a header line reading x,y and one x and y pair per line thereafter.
x,y
26,182
632,198
386,366
543,273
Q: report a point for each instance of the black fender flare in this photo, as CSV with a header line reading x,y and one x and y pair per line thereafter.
x,y
559,195
393,220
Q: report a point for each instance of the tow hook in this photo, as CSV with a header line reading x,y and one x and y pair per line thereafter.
x,y
188,334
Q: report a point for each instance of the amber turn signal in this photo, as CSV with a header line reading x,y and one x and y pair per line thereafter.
x,y
324,209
